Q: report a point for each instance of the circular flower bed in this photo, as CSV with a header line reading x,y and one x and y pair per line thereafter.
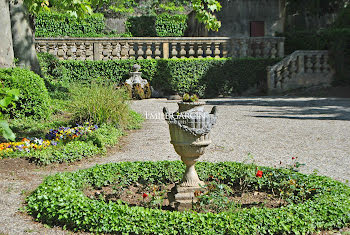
x,y
314,202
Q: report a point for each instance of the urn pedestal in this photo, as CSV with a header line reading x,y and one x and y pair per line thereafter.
x,y
189,132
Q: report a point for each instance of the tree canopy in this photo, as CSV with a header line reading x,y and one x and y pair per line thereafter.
x,y
204,9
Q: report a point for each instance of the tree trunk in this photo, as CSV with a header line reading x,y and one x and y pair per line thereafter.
x,y
22,37
6,50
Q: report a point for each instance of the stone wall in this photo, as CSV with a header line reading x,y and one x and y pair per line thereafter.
x,y
236,15
160,47
301,69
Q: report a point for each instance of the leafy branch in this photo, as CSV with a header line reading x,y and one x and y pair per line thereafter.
x,y
8,97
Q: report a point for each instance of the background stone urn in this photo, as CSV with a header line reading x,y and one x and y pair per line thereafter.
x,y
138,87
189,132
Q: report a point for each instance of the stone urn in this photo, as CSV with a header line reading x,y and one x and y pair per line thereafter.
x,y
189,132
138,87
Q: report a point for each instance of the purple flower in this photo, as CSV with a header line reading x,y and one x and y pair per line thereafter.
x,y
54,143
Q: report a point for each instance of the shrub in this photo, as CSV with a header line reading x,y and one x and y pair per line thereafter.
x,y
100,103
73,144
60,201
205,77
34,100
116,71
73,151
163,25
51,24
171,25
141,26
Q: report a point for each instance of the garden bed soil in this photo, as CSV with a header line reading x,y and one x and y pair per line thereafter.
x,y
135,196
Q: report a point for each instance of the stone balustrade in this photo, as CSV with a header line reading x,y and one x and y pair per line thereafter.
x,y
157,48
300,69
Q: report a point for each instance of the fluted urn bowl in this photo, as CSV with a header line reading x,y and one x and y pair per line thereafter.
x,y
189,133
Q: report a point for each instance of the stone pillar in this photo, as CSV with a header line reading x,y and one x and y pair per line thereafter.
x,y
6,46
281,49
96,51
270,80
165,50
301,63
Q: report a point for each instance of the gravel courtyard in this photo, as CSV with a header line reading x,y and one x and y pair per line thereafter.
x,y
267,131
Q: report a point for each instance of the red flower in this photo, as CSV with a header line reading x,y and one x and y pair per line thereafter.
x,y
259,174
144,195
293,158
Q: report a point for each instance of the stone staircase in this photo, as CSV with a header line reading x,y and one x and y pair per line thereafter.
x,y
299,70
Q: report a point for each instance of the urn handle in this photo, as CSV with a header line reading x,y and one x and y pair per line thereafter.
x,y
165,111
213,111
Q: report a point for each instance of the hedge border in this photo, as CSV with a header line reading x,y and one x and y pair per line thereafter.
x,y
207,77
59,200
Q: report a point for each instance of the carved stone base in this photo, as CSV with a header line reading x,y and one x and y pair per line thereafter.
x,y
181,198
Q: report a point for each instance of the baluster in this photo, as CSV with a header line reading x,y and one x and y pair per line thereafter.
x,y
78,52
257,49
318,63
208,49
217,49
279,78
82,50
157,51
42,47
273,50
132,51
116,48
52,48
326,67
60,52
124,51
140,51
105,51
267,48
148,50
191,50
301,67
243,48
69,51
286,73
89,51
293,68
200,50
173,50
182,50
309,64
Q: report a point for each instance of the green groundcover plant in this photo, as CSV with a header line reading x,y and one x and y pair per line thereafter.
x,y
314,202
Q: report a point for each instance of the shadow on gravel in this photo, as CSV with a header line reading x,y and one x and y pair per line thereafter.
x,y
294,108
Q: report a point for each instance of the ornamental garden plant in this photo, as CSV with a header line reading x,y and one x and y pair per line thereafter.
x,y
130,197
53,122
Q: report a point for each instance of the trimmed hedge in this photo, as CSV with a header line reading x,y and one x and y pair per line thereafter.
x,y
171,25
34,99
163,25
60,201
205,77
51,24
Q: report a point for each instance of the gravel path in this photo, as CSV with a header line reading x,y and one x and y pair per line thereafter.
x,y
266,131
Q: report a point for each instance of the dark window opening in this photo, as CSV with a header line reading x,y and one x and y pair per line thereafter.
x,y
257,29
